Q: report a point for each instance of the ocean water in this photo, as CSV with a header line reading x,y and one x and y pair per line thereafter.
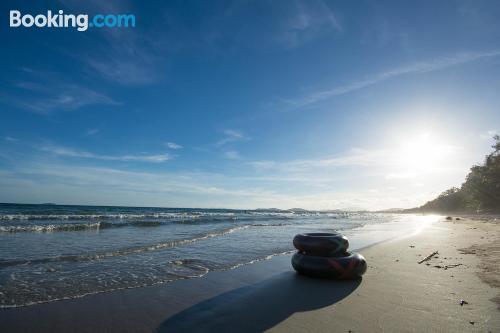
x,y
53,252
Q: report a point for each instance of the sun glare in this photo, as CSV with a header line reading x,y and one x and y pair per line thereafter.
x,y
422,154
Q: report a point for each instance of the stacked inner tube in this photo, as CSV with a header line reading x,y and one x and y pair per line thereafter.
x,y
325,255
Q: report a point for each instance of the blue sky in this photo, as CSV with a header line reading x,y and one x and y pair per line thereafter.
x,y
246,104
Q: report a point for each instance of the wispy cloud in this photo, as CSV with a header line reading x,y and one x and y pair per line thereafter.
x,y
407,161
382,34
340,181
131,187
11,139
46,92
306,20
355,157
488,134
282,24
57,183
173,145
419,67
125,56
71,152
125,62
92,131
231,135
232,155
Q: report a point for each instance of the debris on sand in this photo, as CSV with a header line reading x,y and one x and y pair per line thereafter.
x,y
429,257
447,266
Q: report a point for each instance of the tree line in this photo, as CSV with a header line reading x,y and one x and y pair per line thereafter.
x,y
480,193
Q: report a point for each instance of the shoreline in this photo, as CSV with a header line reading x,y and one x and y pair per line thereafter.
x,y
268,295
360,237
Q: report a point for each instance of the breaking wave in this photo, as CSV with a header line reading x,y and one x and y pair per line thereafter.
x,y
120,252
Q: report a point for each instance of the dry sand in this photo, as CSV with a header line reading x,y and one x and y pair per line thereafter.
x,y
400,295
396,295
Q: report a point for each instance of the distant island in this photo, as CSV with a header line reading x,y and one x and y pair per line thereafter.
x,y
480,193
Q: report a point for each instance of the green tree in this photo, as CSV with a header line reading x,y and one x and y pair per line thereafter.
x,y
479,193
482,185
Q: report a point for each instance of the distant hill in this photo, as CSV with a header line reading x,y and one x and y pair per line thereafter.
x,y
391,210
297,210
480,193
269,210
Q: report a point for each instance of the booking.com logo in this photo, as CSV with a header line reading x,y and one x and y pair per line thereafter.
x,y
61,20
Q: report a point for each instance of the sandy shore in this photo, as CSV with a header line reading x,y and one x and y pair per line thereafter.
x,y
396,295
400,295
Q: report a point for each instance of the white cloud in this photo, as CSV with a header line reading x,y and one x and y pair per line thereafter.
x,y
400,175
419,67
173,145
232,155
126,56
488,134
92,131
355,157
347,180
46,92
71,184
11,139
304,21
65,98
231,135
420,161
70,152
114,186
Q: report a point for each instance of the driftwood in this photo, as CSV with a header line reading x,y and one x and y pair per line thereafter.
x,y
429,257
447,266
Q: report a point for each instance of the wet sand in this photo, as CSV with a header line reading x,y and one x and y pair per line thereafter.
x,y
396,295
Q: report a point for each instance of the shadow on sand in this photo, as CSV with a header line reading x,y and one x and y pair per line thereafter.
x,y
260,306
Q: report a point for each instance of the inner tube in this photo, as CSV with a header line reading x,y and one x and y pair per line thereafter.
x,y
351,266
321,244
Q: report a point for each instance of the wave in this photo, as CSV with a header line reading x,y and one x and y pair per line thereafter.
x,y
46,228
270,224
178,216
49,227
196,268
268,257
196,265
101,225
121,252
93,216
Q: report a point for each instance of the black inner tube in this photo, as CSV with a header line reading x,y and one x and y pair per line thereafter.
x,y
321,244
351,266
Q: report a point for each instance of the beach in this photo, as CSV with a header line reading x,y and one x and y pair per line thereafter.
x,y
250,166
395,295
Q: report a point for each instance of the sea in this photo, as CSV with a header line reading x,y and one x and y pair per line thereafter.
x,y
53,252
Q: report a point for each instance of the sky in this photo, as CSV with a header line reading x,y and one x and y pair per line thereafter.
x,y
249,104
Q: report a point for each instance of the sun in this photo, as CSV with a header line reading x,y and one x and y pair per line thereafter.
x,y
422,154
